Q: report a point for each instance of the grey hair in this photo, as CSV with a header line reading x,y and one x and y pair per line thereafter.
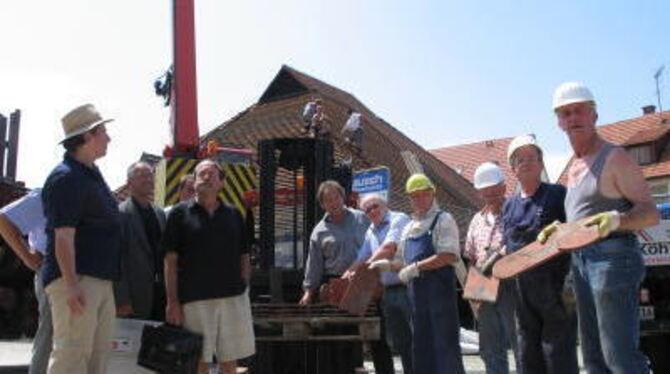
x,y
371,197
130,173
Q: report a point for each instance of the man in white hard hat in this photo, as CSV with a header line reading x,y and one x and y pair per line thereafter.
x,y
546,327
497,331
604,182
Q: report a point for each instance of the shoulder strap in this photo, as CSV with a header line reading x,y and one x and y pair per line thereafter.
x,y
432,225
599,162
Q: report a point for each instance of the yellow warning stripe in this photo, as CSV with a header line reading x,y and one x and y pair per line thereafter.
x,y
176,168
239,179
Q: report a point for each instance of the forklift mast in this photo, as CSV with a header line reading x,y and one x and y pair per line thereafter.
x,y
183,96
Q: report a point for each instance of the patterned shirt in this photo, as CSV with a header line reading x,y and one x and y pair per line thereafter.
x,y
485,236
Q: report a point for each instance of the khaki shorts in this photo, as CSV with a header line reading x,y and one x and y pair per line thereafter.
x,y
226,326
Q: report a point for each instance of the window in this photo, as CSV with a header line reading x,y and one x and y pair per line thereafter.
x,y
642,154
660,190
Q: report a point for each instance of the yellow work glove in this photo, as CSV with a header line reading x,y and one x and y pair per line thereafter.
x,y
547,231
606,222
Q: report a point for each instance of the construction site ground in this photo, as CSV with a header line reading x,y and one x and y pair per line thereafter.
x,y
15,355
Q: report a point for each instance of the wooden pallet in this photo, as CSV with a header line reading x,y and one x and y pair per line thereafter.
x,y
317,322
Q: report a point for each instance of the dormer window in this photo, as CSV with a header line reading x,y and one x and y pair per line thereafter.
x,y
642,154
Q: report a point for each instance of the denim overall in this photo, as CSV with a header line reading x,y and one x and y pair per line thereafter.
x,y
432,295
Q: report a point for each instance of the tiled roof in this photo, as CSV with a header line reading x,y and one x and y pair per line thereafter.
x,y
278,114
464,158
649,135
639,130
660,168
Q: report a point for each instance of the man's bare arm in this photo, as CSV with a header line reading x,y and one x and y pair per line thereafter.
x,y
630,183
173,312
245,266
437,261
387,251
64,240
17,243
65,256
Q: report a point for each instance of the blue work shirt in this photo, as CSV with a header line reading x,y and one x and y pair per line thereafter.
x,y
27,215
389,230
525,217
75,195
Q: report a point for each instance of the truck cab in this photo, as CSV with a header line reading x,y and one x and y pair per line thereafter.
x,y
654,302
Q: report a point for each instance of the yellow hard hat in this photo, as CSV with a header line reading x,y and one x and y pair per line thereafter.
x,y
418,182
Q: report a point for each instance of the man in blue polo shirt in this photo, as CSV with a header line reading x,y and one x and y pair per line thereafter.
x,y
83,240
546,326
379,247
25,217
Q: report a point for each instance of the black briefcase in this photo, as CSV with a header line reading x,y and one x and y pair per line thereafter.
x,y
170,349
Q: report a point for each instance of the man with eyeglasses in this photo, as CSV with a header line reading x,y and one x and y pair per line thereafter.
x,y
377,251
546,327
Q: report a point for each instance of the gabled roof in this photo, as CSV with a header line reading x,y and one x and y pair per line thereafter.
x,y
637,131
465,158
278,114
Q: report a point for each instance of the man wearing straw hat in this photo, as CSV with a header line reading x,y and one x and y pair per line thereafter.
x,y
82,256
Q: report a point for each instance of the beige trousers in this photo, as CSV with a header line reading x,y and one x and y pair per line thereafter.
x,y
81,344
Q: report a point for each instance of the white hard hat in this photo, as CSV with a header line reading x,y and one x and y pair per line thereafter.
x,y
488,174
570,93
521,141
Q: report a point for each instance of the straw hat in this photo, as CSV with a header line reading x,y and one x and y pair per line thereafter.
x,y
80,120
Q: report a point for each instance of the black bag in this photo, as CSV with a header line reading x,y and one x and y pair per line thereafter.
x,y
170,349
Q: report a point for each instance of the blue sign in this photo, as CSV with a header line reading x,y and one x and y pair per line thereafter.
x,y
376,180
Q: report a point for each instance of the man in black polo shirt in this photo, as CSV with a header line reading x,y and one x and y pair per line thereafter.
x,y
82,256
207,271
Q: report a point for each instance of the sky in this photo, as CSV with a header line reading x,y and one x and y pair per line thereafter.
x,y
442,72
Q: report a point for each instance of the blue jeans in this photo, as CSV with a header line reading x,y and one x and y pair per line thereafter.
x,y
547,327
398,316
497,331
607,279
43,336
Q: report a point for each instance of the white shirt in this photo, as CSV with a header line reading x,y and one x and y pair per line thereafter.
x,y
27,215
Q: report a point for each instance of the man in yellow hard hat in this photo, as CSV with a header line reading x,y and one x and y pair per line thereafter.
x,y
429,247
605,183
